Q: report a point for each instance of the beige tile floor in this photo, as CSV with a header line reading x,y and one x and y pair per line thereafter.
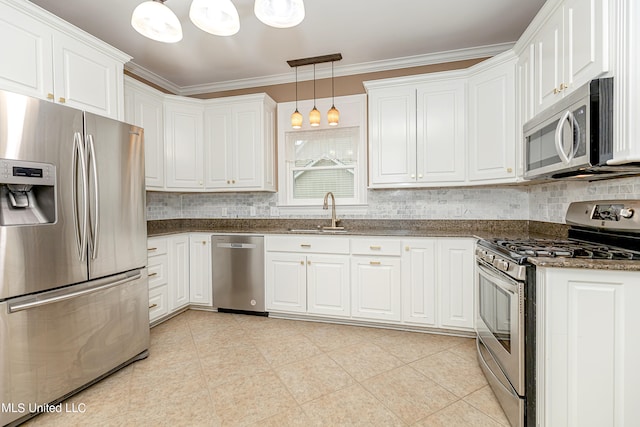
x,y
211,369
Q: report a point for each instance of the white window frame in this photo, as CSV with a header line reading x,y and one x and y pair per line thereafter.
x,y
353,113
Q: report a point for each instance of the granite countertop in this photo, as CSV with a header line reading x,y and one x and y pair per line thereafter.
x,y
481,229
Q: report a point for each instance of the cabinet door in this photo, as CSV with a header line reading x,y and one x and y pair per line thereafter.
x,y
178,252
392,135
328,285
146,110
456,276
492,130
585,51
441,125
548,61
184,146
27,61
587,351
85,78
286,282
246,146
200,287
525,85
375,288
419,282
218,128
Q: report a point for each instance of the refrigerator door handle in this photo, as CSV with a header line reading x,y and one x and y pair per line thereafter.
x,y
62,296
80,221
95,232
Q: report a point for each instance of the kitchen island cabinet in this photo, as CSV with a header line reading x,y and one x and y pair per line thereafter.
x,y
588,347
48,58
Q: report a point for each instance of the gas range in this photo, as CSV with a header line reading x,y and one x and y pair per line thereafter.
x,y
603,230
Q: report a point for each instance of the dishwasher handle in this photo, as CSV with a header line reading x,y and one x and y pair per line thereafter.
x,y
236,245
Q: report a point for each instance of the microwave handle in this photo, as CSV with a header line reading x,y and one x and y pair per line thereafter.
x,y
566,158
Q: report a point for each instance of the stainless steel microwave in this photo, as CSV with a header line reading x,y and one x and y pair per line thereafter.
x,y
574,136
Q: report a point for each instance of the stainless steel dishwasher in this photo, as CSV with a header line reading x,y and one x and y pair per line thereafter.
x,y
238,273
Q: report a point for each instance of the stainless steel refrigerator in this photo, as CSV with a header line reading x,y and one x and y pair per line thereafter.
x,y
73,283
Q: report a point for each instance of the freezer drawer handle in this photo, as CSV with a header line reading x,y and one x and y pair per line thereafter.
x,y
34,304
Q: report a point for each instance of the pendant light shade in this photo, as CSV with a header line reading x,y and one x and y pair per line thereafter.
x,y
333,115
279,13
218,17
314,115
296,117
156,21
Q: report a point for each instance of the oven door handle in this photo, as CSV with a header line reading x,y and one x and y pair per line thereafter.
x,y
499,280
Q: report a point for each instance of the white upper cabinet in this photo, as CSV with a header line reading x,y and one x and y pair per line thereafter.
x,y
184,143
491,128
571,48
392,135
440,137
144,108
416,131
46,57
240,144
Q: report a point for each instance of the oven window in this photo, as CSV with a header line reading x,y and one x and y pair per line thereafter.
x,y
495,310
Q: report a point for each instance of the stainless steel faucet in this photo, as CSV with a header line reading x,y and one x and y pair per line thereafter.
x,y
334,220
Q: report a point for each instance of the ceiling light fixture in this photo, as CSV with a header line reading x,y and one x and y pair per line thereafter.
x,y
156,21
296,117
279,13
153,19
333,115
314,115
219,17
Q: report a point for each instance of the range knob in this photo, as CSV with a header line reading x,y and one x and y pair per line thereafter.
x,y
501,264
488,257
626,212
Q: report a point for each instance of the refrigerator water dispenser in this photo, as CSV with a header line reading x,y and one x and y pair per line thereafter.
x,y
27,193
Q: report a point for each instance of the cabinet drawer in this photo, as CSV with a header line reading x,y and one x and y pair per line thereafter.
x,y
376,246
158,271
311,244
158,302
156,246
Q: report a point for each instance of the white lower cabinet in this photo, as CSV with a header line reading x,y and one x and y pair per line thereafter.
x,y
419,282
587,347
416,282
286,282
307,274
328,285
456,283
157,272
375,288
178,254
200,290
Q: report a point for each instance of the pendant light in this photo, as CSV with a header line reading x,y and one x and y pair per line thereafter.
x,y
314,115
333,115
279,13
156,21
219,17
296,117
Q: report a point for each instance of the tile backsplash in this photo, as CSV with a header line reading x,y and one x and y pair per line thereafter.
x,y
539,202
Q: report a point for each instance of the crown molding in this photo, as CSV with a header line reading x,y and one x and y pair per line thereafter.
x,y
152,77
304,75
